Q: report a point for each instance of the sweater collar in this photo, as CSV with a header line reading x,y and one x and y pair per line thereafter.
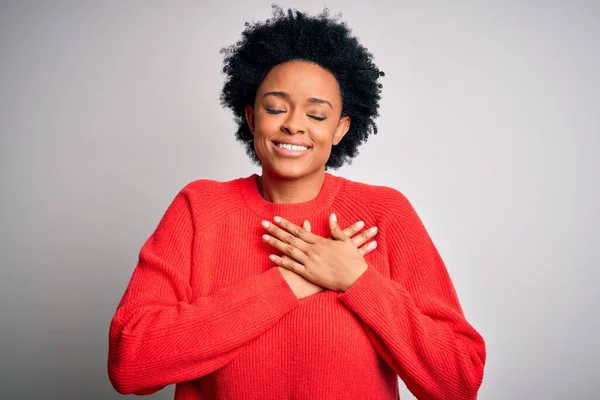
x,y
323,202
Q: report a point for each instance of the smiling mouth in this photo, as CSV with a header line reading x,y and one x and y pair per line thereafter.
x,y
291,147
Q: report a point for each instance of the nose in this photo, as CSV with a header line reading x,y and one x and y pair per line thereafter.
x,y
293,124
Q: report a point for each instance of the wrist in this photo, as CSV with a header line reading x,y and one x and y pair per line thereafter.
x,y
358,272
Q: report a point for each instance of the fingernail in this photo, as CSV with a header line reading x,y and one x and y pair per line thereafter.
x,y
360,224
333,218
373,244
277,219
265,238
266,224
374,229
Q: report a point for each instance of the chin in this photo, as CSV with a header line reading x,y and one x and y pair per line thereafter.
x,y
289,171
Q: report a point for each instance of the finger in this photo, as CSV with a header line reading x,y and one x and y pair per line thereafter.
x,y
336,232
307,226
365,236
366,249
287,249
288,263
354,228
295,230
286,237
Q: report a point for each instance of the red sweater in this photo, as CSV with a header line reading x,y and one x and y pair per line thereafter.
x,y
206,310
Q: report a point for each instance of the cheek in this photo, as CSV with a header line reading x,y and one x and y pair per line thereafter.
x,y
324,133
321,133
265,127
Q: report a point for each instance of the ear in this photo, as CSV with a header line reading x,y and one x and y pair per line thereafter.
x,y
249,111
341,130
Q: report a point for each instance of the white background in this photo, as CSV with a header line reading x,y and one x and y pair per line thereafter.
x,y
489,124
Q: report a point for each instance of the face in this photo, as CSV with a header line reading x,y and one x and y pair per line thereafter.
x,y
296,119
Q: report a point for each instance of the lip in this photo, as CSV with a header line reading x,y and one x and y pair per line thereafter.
x,y
291,153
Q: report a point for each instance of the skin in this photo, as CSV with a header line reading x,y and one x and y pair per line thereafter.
x,y
301,101
282,110
301,286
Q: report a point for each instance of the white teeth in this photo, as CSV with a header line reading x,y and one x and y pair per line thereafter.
x,y
292,147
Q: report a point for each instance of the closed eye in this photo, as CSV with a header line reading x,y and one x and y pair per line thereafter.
x,y
317,118
272,111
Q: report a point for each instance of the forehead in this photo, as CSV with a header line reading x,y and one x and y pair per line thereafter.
x,y
302,79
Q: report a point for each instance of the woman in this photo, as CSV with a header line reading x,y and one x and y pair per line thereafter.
x,y
232,299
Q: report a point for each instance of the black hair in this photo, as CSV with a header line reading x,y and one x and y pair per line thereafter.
x,y
322,40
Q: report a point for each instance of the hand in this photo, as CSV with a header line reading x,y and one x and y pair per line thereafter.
x,y
303,288
334,263
300,286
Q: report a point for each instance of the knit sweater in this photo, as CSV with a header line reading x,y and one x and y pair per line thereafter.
x,y
207,310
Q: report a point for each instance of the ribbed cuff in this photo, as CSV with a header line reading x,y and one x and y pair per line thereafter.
x,y
281,290
364,290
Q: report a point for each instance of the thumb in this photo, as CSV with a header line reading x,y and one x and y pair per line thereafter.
x,y
336,232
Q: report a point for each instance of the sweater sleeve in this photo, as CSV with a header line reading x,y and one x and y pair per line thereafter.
x,y
414,318
159,335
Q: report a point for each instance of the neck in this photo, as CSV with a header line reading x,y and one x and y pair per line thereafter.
x,y
276,189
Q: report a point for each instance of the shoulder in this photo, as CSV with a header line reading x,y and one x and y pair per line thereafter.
x,y
394,213
207,188
381,200
210,196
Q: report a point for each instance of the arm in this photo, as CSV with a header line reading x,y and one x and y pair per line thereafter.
x,y
159,335
414,318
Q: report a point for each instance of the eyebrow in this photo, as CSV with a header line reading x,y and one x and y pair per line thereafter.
x,y
319,101
287,96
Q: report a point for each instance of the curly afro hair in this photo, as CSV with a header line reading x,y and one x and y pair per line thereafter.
x,y
322,40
